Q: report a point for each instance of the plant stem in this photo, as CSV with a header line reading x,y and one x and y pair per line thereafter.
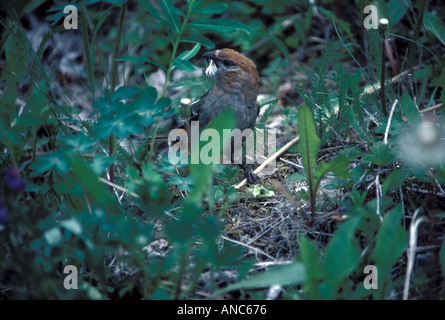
x,y
113,84
175,46
116,48
170,69
383,28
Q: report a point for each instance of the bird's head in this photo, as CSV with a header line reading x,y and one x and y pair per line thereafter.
x,y
233,72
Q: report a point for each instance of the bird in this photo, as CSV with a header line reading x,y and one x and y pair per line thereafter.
x,y
236,86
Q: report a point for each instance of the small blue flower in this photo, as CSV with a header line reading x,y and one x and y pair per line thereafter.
x,y
13,179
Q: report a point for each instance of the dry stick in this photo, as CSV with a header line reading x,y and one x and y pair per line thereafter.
x,y
385,139
437,106
118,187
272,158
411,253
249,247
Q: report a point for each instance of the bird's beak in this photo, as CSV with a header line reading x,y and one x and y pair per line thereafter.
x,y
209,55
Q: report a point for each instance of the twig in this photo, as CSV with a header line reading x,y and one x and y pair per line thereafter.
x,y
437,106
411,253
385,140
378,193
270,159
438,194
250,247
118,187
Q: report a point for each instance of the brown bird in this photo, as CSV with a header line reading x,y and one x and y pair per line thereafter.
x,y
236,86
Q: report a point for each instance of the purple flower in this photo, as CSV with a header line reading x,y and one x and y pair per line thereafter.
x,y
4,216
13,180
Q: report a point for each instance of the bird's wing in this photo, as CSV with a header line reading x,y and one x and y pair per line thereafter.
x,y
257,108
197,107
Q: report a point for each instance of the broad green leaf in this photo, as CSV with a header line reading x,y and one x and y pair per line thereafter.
x,y
379,154
310,255
90,182
183,65
79,143
308,145
343,253
396,10
188,54
119,118
393,180
434,25
201,172
296,177
124,93
214,8
199,39
54,160
219,25
171,14
290,274
391,243
338,165
32,113
16,60
409,109
14,71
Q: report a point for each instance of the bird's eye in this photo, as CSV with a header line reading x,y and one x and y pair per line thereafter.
x,y
228,63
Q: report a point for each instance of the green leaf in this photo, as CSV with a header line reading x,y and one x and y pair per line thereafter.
x,y
338,165
124,93
434,25
188,54
199,39
80,143
201,172
310,257
54,160
343,253
296,177
170,13
220,25
396,10
16,66
290,274
391,243
409,109
214,8
183,65
90,182
379,154
393,181
308,145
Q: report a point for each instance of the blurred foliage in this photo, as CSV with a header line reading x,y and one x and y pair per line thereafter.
x,y
58,207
